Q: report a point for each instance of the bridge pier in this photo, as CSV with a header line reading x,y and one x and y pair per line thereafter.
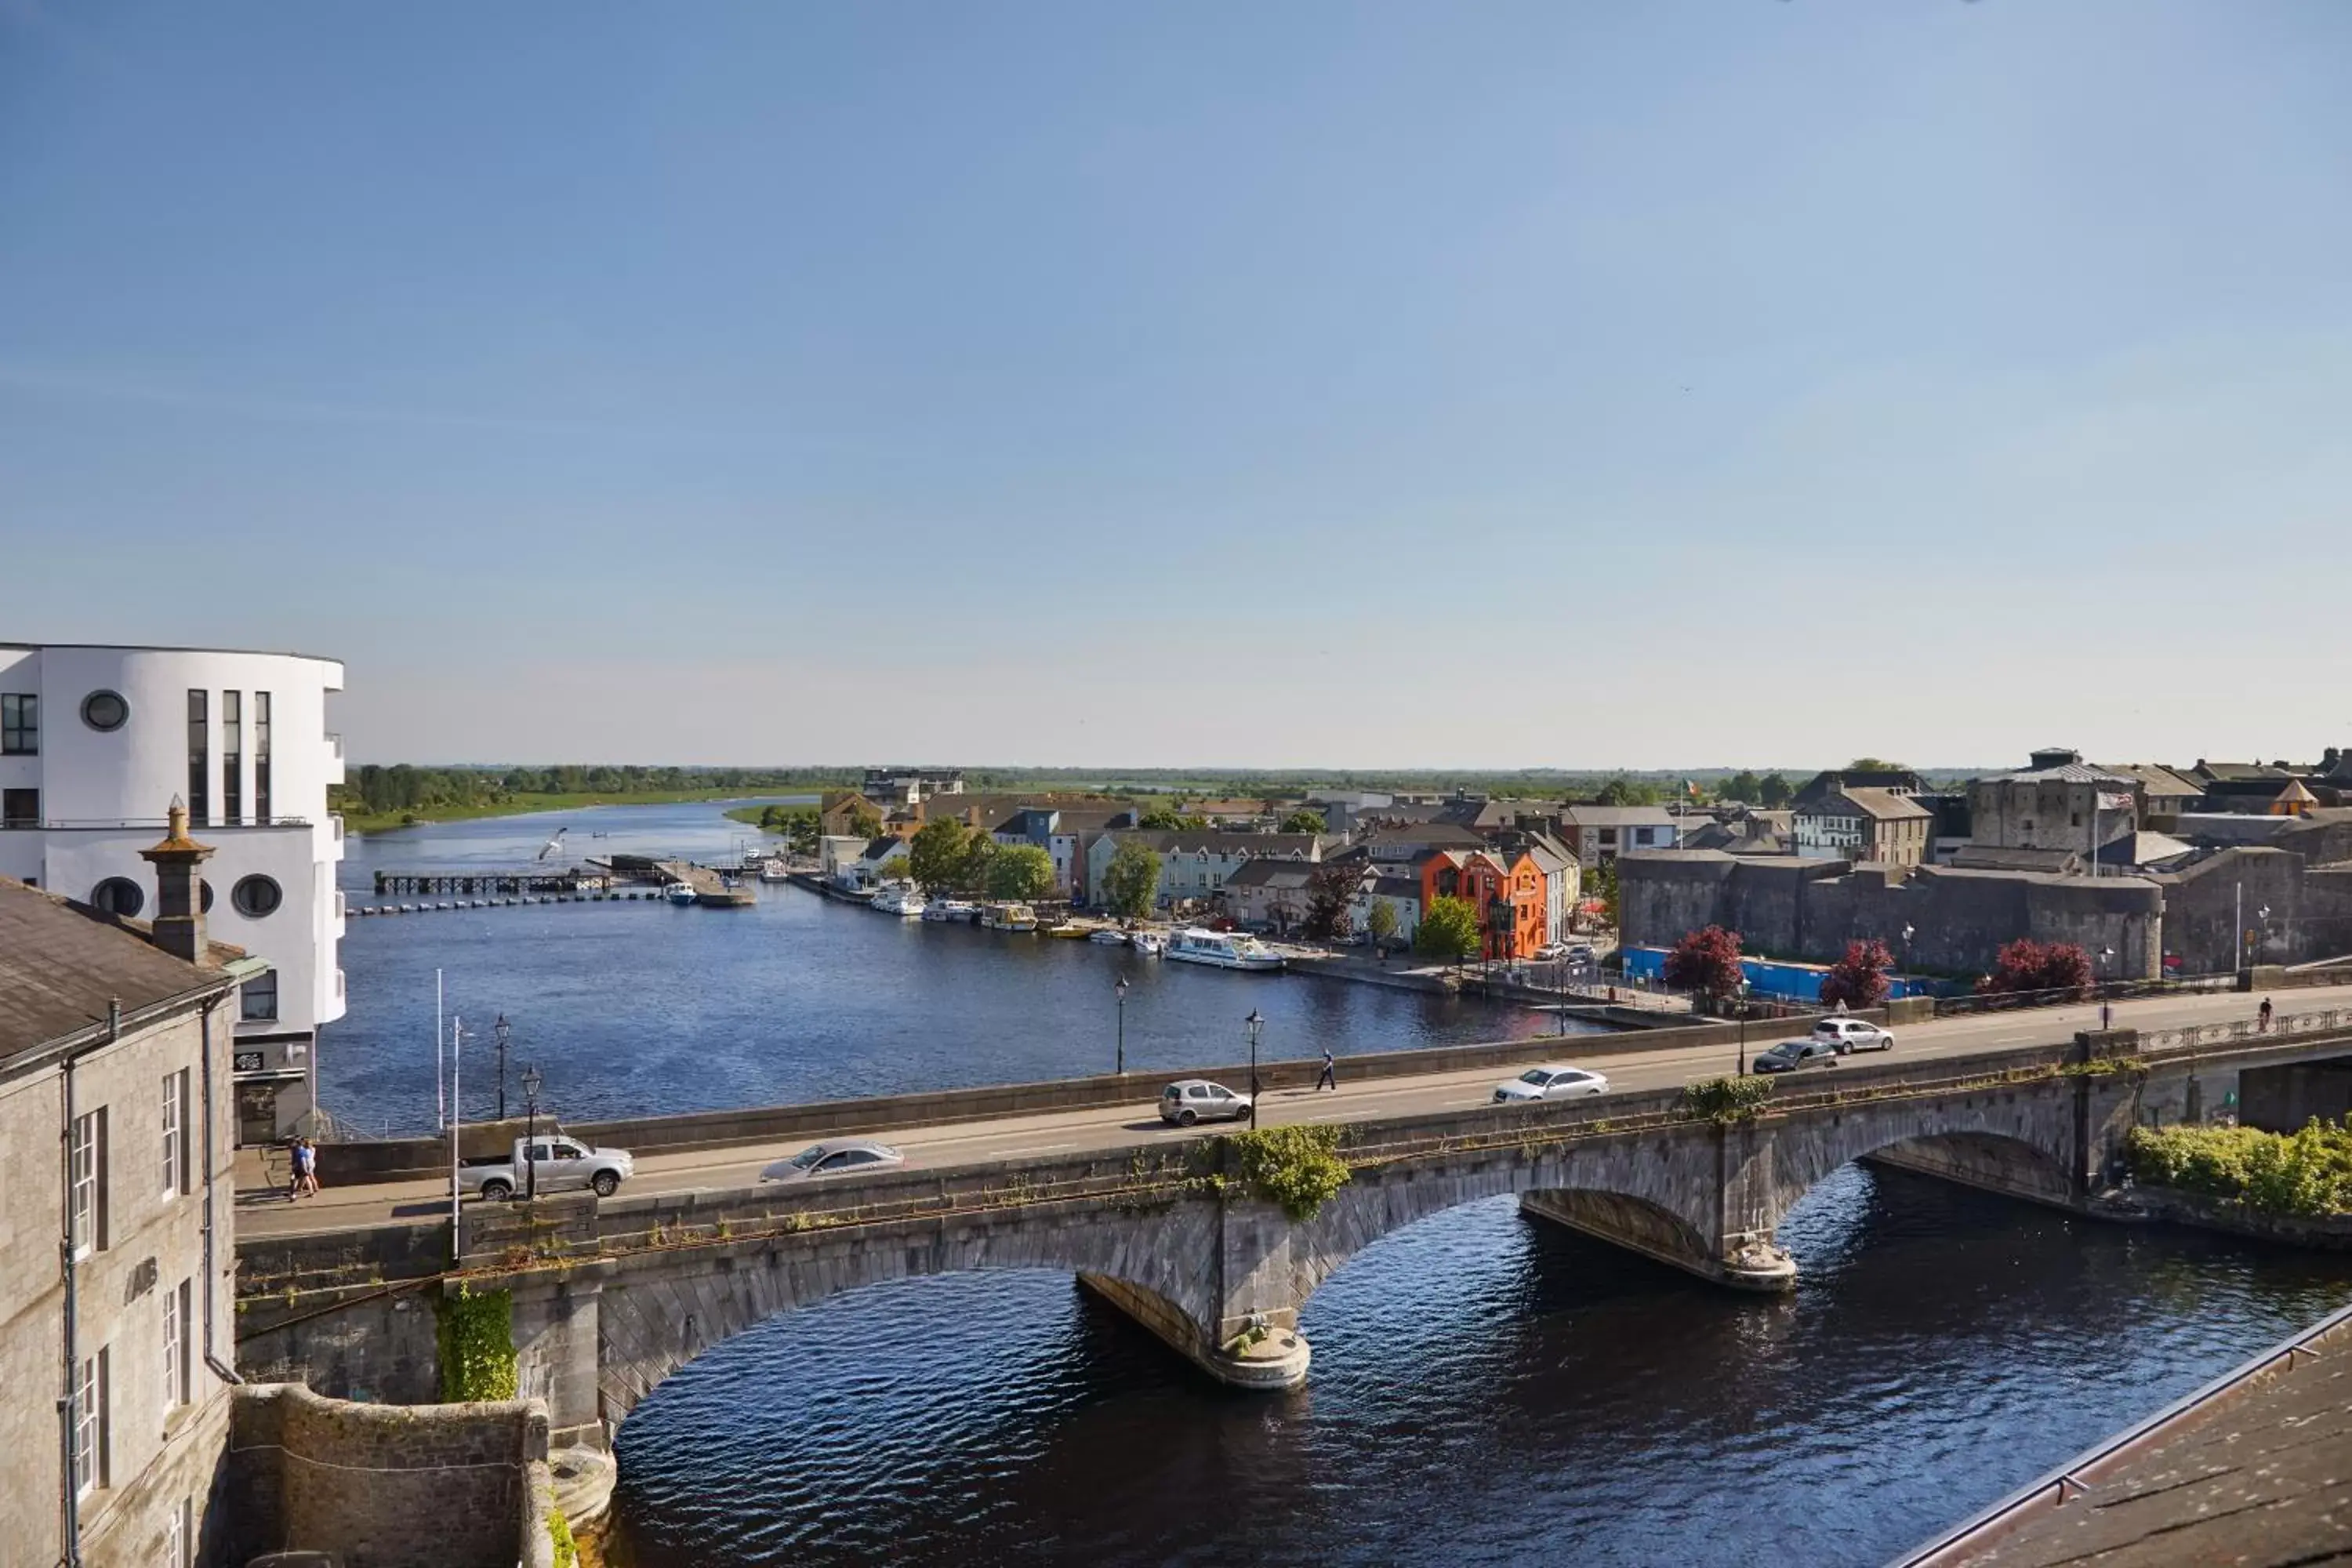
x,y
556,1325
1276,1358
1740,1263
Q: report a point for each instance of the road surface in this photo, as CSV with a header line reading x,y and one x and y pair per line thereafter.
x,y
267,1212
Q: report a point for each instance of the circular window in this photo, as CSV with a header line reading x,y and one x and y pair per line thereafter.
x,y
208,898
105,710
256,897
118,896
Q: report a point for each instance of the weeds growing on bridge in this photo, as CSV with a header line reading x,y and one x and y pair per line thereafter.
x,y
1296,1166
478,1353
1724,1101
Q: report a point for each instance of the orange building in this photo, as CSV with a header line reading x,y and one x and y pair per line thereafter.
x,y
1489,878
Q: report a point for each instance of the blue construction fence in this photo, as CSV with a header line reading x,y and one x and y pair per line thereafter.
x,y
1769,977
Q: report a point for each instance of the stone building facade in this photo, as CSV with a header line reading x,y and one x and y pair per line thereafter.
x,y
116,1266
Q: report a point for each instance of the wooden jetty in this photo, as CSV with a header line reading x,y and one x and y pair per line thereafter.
x,y
710,889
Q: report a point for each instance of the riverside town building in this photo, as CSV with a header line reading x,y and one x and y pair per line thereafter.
x,y
95,740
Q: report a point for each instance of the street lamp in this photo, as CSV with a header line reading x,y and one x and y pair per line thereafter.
x,y
531,1086
502,1029
1742,994
1256,1023
1120,991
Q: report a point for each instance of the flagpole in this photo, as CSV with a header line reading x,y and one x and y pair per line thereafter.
x,y
440,1099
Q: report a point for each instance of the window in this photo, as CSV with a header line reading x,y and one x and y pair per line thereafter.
x,y
181,1532
118,896
175,1135
261,758
177,1368
256,897
86,1169
232,757
200,763
20,808
258,998
105,712
89,1426
20,724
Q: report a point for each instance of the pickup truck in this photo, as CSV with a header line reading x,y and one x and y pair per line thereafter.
x,y
561,1165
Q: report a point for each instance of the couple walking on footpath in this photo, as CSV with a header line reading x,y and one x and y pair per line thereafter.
x,y
303,1179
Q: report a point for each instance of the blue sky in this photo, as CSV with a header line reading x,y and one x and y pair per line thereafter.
x,y
1317,384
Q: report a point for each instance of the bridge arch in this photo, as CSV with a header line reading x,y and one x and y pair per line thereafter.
x,y
655,1313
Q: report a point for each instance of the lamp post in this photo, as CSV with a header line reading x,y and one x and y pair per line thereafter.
x,y
1742,994
1256,1023
531,1086
502,1029
1120,991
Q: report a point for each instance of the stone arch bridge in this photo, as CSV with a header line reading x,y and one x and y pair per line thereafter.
x,y
609,1298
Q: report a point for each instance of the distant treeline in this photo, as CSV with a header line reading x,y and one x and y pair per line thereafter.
x,y
379,791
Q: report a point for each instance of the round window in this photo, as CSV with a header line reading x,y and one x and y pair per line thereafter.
x,y
118,896
208,898
105,710
255,896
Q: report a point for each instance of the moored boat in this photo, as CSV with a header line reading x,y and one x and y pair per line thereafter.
x,y
1107,937
1069,930
679,893
950,909
1151,944
899,900
1222,949
1008,917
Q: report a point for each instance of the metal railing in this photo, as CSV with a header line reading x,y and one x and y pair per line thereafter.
x,y
2099,991
159,824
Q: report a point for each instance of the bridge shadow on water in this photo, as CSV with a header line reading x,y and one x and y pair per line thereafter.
x,y
1487,1388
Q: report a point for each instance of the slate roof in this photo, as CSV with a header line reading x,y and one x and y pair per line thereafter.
x,y
1883,805
1274,874
2159,781
1223,841
1992,858
60,966
2069,772
1617,816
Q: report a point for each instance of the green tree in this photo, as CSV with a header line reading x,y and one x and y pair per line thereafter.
x,y
1859,979
1021,872
979,853
866,822
1449,930
1131,881
1622,790
935,856
1303,821
1873,765
1742,785
1381,923
1160,819
1601,882
1772,791
1193,824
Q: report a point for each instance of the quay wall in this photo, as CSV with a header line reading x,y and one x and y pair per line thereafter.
x,y
443,1486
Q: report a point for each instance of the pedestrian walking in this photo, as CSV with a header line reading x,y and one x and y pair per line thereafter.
x,y
2264,1015
293,1169
306,1168
1329,1077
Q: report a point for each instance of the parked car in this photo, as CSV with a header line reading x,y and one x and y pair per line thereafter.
x,y
1550,1083
1551,952
1580,953
556,1165
1790,1056
1853,1035
1191,1099
839,1158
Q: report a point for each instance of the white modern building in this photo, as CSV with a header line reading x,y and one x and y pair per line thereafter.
x,y
95,744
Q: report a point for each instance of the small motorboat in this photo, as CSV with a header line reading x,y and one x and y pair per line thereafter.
x,y
774,872
959,910
900,899
1107,937
679,893
1148,944
1069,930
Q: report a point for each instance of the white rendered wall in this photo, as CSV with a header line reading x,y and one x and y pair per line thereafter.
x,y
92,781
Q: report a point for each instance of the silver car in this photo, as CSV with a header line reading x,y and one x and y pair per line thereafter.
x,y
1550,1083
842,1157
1191,1099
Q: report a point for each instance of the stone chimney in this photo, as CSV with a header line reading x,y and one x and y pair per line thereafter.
x,y
179,924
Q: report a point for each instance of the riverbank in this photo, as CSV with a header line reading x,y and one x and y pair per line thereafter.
x,y
534,805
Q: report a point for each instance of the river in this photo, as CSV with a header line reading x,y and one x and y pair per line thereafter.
x,y
1487,1389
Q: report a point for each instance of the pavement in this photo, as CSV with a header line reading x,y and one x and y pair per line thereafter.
x,y
264,1210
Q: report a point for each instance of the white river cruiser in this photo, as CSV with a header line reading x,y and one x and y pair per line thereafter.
x,y
1222,949
900,901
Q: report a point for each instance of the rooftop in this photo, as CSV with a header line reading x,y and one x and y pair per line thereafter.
x,y
60,965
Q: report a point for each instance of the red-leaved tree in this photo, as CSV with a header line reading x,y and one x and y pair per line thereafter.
x,y
2029,965
1859,979
1707,962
